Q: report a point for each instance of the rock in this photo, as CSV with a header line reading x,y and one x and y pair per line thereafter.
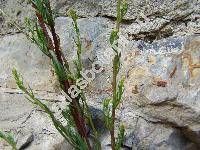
x,y
23,115
25,121
146,67
147,135
165,14
90,29
11,47
176,103
25,141
161,100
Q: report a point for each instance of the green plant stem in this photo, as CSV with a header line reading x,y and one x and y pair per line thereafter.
x,y
118,15
89,116
9,139
114,86
65,84
79,51
114,82
85,109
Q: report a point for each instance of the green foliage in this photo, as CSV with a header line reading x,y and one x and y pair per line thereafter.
x,y
120,138
123,10
37,36
118,88
107,107
120,92
77,111
43,8
113,36
74,17
79,67
69,132
51,47
117,93
9,139
58,68
78,63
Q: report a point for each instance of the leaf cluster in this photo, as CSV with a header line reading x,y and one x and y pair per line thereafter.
x,y
69,132
110,105
77,112
36,35
77,40
43,8
120,138
9,139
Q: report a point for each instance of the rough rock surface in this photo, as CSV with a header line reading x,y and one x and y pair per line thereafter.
x,y
149,18
160,61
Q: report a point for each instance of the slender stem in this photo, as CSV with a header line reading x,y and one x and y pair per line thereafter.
x,y
79,52
89,116
79,48
56,44
114,82
118,15
112,132
85,108
114,87
75,110
80,122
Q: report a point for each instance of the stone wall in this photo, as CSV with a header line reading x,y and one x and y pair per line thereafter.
x,y
160,41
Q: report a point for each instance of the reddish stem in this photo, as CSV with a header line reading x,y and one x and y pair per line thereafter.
x,y
78,118
44,29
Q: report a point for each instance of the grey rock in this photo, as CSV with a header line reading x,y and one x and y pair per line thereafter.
x,y
175,104
163,15
25,121
25,141
155,117
171,44
11,47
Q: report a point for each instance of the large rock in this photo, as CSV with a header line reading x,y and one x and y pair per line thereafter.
x,y
162,86
166,85
18,52
164,18
20,116
30,127
161,100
